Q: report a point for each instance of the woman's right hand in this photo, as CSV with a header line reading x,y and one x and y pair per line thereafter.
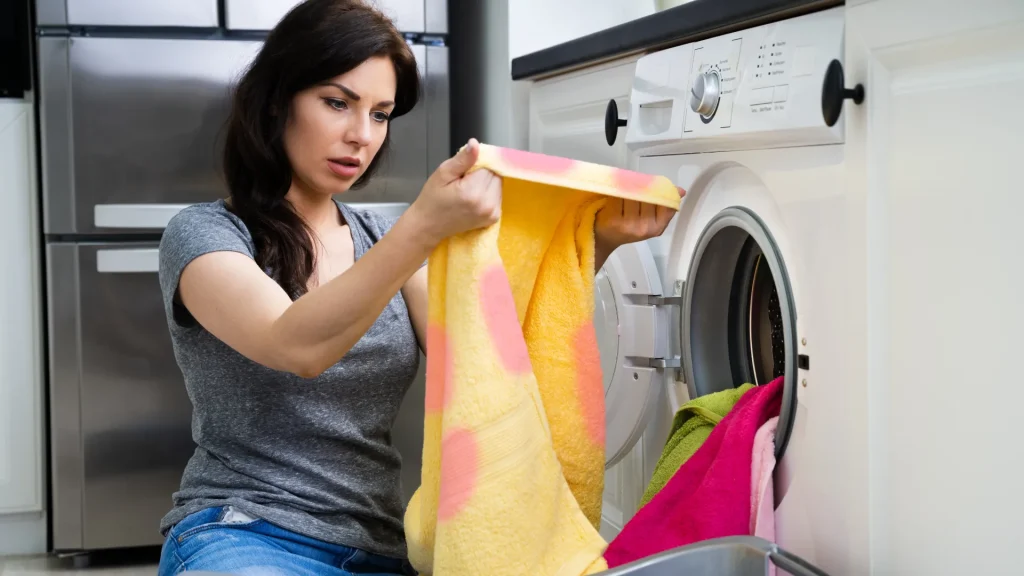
x,y
453,202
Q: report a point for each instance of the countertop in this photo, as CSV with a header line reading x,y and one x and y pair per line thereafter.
x,y
687,23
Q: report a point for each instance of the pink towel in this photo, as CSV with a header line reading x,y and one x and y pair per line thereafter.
x,y
762,494
710,495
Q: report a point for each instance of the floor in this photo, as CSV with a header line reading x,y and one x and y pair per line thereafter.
x,y
131,563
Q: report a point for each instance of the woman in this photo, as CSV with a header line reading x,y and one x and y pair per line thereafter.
x,y
297,321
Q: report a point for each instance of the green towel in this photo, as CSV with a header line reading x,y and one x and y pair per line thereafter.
x,y
690,428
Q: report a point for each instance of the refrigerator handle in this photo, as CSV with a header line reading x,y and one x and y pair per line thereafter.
x,y
389,209
135,216
128,261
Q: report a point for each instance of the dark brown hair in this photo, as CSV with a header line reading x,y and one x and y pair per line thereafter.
x,y
316,41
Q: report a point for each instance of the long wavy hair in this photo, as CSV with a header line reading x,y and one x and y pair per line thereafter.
x,y
316,41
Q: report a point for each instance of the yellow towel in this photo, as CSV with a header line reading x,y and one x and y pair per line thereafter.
x,y
513,455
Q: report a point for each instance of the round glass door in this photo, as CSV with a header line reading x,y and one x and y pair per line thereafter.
x,y
738,321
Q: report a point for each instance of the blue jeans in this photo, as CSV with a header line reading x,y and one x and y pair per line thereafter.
x,y
203,542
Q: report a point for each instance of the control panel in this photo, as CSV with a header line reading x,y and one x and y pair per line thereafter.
x,y
757,87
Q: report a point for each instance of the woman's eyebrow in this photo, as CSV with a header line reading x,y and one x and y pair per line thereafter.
x,y
351,94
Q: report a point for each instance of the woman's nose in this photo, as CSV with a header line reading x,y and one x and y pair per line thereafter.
x,y
359,131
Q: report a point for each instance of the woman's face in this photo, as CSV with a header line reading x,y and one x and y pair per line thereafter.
x,y
335,129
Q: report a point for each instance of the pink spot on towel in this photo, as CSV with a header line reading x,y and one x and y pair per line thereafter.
x,y
499,308
439,370
536,162
459,471
632,182
589,381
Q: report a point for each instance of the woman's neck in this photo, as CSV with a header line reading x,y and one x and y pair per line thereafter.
x,y
318,210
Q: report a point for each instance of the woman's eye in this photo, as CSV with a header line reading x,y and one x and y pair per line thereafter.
x,y
336,104
380,117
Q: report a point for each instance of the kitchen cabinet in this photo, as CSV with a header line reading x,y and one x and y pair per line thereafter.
x,y
21,389
567,113
932,158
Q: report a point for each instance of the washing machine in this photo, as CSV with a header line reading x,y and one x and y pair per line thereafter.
x,y
748,283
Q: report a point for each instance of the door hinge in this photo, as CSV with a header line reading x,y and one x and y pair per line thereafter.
x,y
676,299
673,362
665,300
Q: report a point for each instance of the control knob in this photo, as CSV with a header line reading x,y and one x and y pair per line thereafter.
x,y
705,94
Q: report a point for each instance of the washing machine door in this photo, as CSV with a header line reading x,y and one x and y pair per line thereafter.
x,y
633,325
633,321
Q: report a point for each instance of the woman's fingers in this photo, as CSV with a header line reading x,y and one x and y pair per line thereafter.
x,y
631,209
648,219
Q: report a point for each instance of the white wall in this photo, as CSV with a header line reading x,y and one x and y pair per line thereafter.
x,y
538,24
513,28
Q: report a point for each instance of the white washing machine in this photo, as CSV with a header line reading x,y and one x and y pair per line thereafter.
x,y
747,284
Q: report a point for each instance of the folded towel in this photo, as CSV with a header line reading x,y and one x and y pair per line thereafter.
x,y
709,497
690,428
762,493
513,455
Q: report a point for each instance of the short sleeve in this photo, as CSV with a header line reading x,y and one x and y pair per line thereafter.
x,y
194,231
374,224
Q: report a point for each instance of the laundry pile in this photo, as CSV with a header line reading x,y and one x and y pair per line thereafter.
x,y
513,455
723,489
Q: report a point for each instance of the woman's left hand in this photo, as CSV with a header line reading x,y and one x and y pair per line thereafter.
x,y
624,222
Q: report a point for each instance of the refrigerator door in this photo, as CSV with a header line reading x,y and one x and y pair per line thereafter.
x,y
438,100
408,15
157,13
436,16
120,415
419,140
255,14
130,128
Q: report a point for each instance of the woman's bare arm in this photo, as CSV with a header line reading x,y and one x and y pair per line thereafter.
x,y
415,294
238,303
235,301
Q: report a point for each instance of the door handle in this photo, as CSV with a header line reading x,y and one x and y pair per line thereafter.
x,y
612,122
128,261
390,209
135,215
834,92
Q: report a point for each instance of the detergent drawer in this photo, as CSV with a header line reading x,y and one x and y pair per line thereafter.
x,y
732,556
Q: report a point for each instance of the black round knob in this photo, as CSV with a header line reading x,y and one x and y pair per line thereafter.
x,y
612,122
834,91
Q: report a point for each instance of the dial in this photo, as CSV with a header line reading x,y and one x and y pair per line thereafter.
x,y
705,94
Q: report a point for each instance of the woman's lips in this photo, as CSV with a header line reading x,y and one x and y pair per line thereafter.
x,y
344,167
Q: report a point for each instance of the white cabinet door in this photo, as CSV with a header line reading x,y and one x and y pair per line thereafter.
x,y
936,162
567,113
21,447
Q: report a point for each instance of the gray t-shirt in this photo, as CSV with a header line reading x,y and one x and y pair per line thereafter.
x,y
313,456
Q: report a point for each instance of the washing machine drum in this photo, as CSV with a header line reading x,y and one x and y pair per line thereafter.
x,y
738,317
736,323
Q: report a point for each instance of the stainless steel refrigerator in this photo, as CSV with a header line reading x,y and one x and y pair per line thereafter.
x,y
133,96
